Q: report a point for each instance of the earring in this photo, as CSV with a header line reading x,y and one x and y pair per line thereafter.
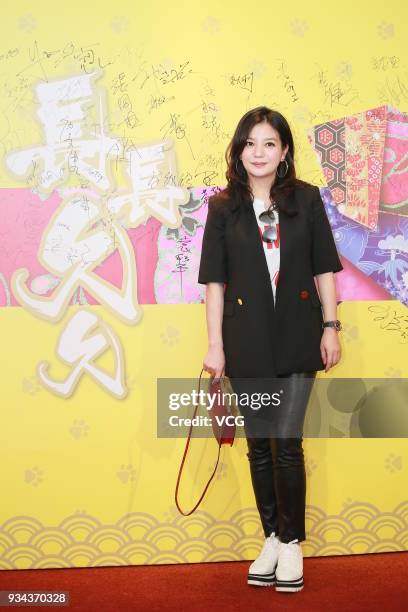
x,y
286,170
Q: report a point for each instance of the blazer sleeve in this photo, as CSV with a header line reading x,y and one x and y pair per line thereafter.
x,y
213,263
325,257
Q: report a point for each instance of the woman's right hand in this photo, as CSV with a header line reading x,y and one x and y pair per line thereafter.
x,y
214,361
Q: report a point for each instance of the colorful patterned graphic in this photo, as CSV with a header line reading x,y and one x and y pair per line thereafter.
x,y
364,158
382,255
394,187
350,151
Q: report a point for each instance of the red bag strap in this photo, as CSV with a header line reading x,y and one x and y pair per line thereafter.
x,y
184,458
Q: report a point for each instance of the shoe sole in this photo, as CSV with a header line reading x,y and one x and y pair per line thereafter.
x,y
262,579
289,586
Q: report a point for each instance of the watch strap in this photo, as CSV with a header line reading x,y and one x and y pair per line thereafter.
x,y
336,324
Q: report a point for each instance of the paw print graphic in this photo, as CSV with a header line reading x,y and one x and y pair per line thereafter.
x,y
211,25
310,467
222,471
79,428
119,24
126,473
170,336
302,114
298,27
33,476
30,385
27,23
393,463
256,67
392,373
385,30
350,332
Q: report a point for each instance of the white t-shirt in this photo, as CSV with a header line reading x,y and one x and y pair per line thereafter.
x,y
271,249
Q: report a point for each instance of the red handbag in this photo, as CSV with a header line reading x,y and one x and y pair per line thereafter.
x,y
223,431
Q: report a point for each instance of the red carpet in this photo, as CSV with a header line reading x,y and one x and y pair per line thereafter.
x,y
359,582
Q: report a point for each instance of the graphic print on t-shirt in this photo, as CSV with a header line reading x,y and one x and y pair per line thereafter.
x,y
271,249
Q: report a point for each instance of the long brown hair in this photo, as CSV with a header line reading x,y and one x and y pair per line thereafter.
x,y
238,191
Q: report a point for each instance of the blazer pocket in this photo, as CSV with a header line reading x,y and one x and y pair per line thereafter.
x,y
229,308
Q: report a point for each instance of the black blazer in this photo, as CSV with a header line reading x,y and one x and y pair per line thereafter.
x,y
262,339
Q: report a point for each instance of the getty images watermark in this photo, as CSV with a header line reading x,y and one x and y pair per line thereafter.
x,y
183,403
209,400
284,407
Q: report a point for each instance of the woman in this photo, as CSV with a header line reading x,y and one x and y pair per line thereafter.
x,y
267,238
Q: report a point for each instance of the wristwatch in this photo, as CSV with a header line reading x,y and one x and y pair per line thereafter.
x,y
336,324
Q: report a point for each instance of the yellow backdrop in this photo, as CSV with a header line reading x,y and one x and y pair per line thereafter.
x,y
85,481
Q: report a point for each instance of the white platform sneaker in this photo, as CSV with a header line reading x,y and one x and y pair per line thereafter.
x,y
289,571
262,571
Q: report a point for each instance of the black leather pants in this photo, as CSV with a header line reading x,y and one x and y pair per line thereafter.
x,y
277,465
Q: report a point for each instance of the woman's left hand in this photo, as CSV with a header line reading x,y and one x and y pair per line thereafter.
x,y
330,348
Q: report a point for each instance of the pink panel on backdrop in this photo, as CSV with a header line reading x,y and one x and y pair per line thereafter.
x,y
23,219
352,284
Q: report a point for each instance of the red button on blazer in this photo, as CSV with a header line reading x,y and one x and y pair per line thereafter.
x,y
304,295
